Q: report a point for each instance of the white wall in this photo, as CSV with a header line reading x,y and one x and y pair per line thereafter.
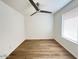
x,y
11,29
39,26
71,47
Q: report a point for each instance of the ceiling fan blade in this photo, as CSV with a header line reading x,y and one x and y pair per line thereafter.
x,y
43,11
33,13
34,5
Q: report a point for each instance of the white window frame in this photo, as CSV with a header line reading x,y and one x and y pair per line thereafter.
x,y
62,32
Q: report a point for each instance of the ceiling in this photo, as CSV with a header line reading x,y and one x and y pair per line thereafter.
x,y
24,6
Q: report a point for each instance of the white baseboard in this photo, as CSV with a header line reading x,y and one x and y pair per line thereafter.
x,y
38,39
13,48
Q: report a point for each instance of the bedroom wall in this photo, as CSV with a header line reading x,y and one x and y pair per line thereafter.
x,y
11,29
70,46
39,26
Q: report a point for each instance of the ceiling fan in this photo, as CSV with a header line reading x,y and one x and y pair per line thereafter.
x,y
36,8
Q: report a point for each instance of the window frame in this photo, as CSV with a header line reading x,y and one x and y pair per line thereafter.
x,y
62,30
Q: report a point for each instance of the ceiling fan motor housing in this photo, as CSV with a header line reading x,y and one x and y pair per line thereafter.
x,y
37,4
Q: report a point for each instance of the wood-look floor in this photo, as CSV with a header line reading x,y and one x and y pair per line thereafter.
x,y
40,49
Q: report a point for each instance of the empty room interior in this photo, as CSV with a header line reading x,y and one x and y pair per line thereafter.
x,y
38,29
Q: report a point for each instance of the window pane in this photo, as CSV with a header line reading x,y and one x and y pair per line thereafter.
x,y
70,24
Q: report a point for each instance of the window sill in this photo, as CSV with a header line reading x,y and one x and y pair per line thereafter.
x,y
70,40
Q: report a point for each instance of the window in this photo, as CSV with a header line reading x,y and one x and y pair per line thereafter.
x,y
70,25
